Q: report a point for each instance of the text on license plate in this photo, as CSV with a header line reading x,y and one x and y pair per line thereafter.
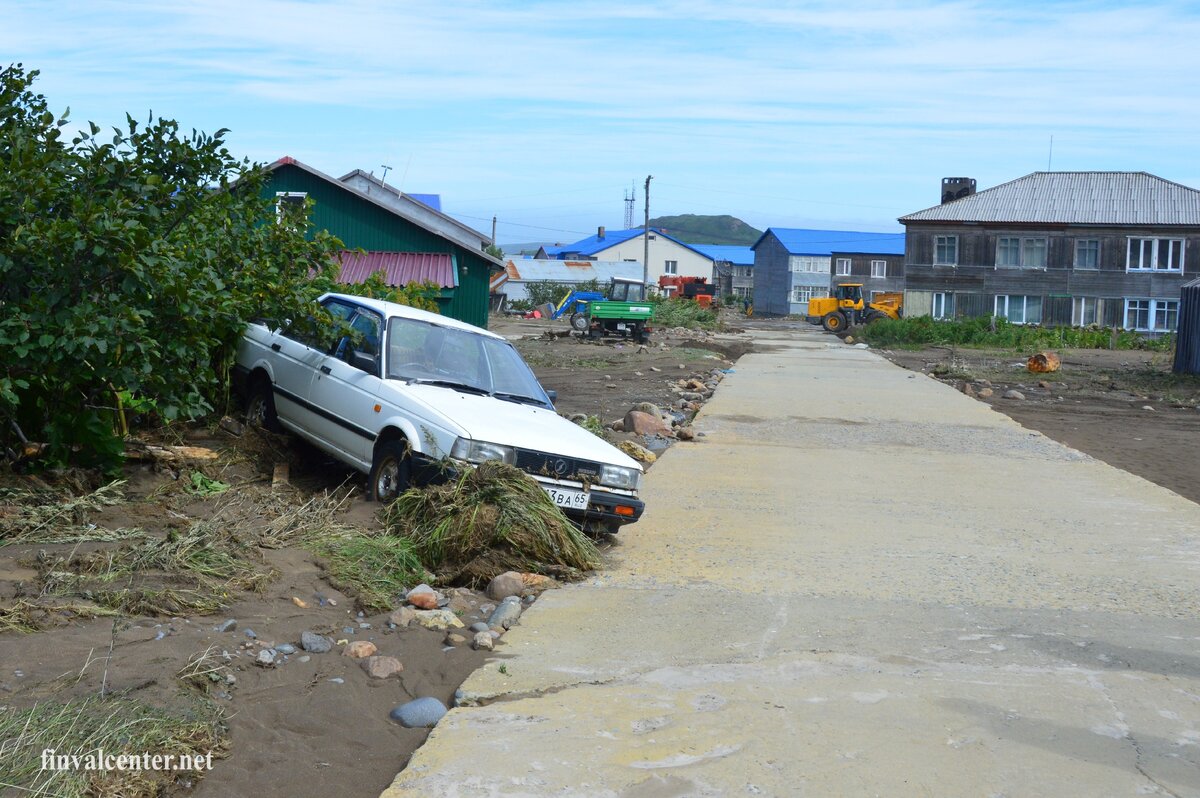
x,y
569,498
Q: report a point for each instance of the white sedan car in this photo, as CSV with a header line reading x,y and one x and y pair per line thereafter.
x,y
421,395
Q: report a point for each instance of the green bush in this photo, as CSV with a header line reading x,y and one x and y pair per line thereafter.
x,y
129,266
999,333
688,313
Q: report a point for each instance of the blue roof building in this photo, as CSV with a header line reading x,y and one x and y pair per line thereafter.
x,y
793,265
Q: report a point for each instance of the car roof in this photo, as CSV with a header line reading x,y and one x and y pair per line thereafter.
x,y
389,309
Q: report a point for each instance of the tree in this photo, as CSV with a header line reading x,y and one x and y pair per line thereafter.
x,y
128,269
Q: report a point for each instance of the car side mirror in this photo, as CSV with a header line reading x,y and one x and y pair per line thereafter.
x,y
552,396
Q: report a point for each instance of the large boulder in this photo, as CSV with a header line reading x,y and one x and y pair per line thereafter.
x,y
645,424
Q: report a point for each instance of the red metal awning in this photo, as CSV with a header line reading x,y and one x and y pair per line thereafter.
x,y
399,268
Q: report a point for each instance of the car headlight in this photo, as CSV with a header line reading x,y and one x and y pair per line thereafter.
x,y
481,451
620,477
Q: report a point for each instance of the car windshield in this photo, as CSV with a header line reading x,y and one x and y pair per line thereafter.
x,y
435,354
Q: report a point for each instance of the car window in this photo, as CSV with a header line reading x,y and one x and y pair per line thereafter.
x,y
419,350
368,326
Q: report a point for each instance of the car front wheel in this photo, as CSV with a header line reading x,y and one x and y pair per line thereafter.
x,y
390,472
260,407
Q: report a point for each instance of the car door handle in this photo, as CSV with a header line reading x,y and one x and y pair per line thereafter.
x,y
275,347
324,369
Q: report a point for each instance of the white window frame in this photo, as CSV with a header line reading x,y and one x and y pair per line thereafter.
x,y
1079,247
1011,301
950,242
1023,246
939,303
879,268
1083,308
1158,312
284,198
670,267
802,293
843,267
1155,254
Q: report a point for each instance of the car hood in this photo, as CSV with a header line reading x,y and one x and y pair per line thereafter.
x,y
485,418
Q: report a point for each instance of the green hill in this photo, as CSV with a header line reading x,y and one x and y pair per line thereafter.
x,y
693,229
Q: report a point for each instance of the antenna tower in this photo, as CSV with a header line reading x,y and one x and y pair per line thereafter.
x,y
630,198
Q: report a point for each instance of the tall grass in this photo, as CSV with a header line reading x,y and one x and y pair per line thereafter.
x,y
117,725
488,520
998,333
375,570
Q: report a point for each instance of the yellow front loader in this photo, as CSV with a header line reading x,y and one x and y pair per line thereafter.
x,y
847,308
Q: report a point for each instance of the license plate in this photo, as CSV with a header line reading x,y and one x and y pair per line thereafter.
x,y
621,327
568,498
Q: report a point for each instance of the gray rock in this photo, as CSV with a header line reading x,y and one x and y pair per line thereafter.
x,y
337,680
250,634
420,713
285,648
479,627
226,626
304,658
265,658
506,614
506,584
347,630
1013,394
483,641
315,643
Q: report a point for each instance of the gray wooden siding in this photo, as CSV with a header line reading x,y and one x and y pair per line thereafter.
x,y
772,280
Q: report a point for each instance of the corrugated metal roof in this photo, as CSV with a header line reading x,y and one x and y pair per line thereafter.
x,y
571,271
399,268
1096,198
432,200
826,242
738,256
594,244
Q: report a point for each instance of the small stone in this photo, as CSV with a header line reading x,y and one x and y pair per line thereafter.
x,y
285,648
483,641
685,433
637,452
1013,394
265,658
229,625
250,634
403,616
438,620
655,368
299,602
1147,407
985,393
424,601
359,649
315,643
454,640
419,713
382,667
337,680
479,627
460,605
505,615
303,658
968,389
347,630
506,584
618,425
1043,384
364,625
681,367
536,584
611,385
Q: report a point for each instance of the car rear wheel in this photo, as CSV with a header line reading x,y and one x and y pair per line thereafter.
x,y
391,471
260,407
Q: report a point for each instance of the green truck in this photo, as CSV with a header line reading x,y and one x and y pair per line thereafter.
x,y
624,312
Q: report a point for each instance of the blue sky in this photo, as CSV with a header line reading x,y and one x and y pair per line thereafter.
x,y
843,115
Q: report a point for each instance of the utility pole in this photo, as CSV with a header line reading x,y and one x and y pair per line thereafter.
x,y
646,240
493,231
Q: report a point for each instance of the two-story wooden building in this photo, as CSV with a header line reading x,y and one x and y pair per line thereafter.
x,y
1056,248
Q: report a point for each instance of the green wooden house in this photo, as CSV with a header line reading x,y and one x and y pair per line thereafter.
x,y
386,230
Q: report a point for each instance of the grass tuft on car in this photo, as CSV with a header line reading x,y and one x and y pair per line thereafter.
x,y
489,520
